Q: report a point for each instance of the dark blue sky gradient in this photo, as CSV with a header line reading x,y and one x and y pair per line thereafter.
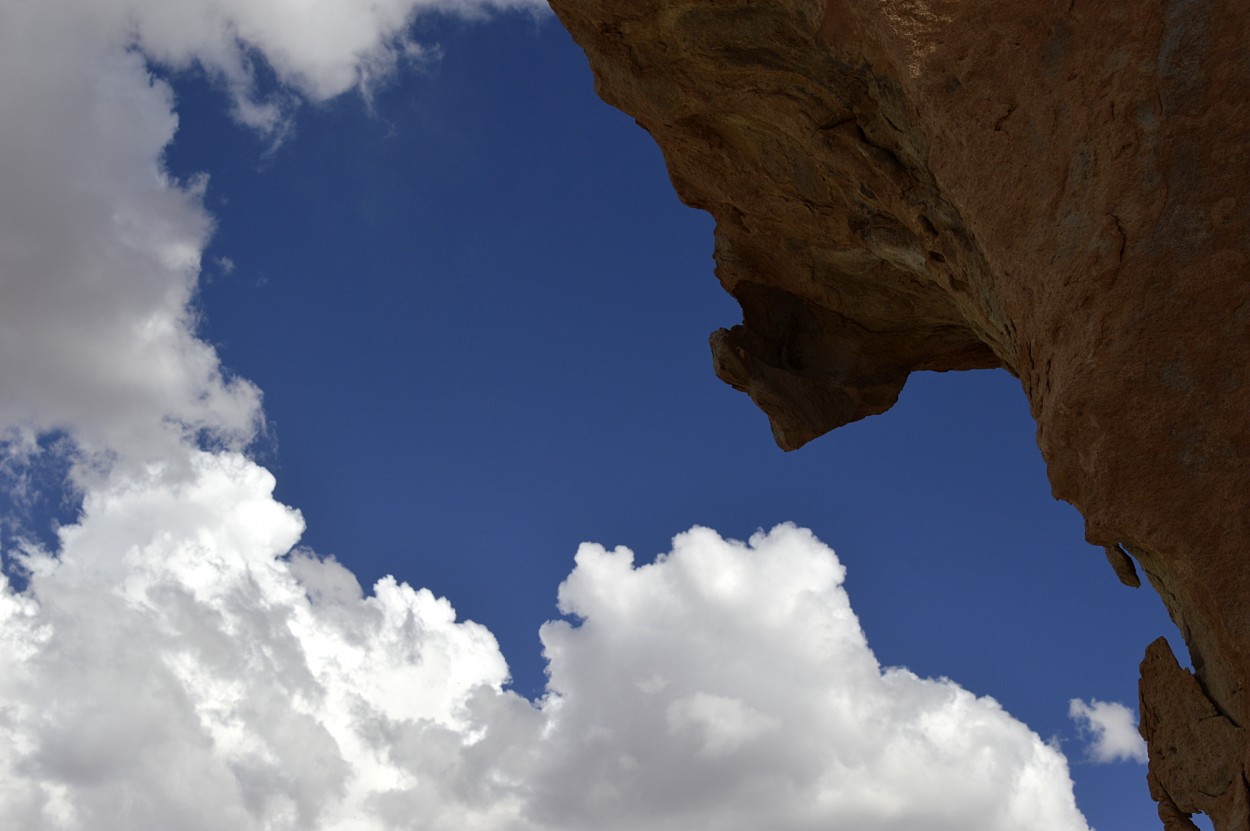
x,y
480,316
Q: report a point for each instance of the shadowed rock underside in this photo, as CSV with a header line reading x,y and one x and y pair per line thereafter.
x,y
1056,188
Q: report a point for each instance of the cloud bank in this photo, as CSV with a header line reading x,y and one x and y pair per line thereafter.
x,y
176,667
1112,729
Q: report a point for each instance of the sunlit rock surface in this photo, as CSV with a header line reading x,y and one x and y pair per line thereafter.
x,y
1061,189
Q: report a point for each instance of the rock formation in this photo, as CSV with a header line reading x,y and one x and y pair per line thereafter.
x,y
1061,189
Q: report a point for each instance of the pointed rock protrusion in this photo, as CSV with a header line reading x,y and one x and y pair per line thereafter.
x,y
1122,563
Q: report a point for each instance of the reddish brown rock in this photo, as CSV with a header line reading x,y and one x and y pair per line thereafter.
x,y
1059,189
1195,750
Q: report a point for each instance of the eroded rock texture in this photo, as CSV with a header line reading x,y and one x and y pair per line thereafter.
x,y
1058,188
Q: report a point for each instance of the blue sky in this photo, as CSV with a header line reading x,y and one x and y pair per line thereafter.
x,y
479,319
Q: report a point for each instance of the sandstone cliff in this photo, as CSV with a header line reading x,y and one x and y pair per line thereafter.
x,y
1061,189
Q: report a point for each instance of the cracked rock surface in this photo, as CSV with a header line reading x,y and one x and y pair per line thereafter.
x,y
1061,189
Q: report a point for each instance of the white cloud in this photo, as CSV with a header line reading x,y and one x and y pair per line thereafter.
x,y
171,668
729,686
1112,728
723,725
318,52
100,251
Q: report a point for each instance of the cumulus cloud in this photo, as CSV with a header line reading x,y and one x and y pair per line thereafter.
x,y
179,665
729,685
1111,728
172,669
100,249
344,45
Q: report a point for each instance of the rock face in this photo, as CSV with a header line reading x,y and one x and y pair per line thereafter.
x,y
1061,189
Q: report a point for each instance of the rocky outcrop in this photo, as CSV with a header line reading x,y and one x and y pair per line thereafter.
x,y
1061,189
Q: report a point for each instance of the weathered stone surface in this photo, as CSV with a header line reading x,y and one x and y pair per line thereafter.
x,y
1061,189
1195,750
